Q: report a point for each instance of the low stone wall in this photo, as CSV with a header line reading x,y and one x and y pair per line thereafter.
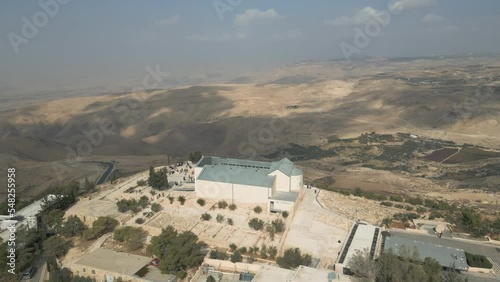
x,y
480,270
100,275
416,230
225,265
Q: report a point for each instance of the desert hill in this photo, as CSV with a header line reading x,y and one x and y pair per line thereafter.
x,y
455,99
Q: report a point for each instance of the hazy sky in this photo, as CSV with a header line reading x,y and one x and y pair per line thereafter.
x,y
109,43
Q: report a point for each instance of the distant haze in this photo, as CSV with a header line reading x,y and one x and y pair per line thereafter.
x,y
107,45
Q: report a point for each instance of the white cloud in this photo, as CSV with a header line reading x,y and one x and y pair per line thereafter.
x,y
432,18
361,17
241,35
223,37
255,15
217,37
449,28
293,33
168,21
340,21
401,5
198,37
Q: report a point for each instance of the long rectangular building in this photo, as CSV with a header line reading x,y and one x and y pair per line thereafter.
x,y
363,237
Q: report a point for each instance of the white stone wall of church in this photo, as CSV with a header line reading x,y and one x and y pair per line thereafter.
x,y
282,181
297,182
230,192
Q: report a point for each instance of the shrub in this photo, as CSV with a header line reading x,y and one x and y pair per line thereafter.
x,y
284,214
278,225
201,202
222,204
142,182
270,230
256,223
210,278
143,201
236,257
421,210
387,222
477,261
73,227
273,251
250,259
219,218
387,204
206,217
396,198
128,205
156,207
214,254
233,247
230,221
415,201
243,250
132,236
101,226
139,220
232,207
263,251
181,199
257,209
195,156
171,199
292,258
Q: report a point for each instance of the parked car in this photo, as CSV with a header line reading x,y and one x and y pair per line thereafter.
x,y
28,273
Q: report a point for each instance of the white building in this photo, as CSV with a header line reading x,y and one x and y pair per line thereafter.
x,y
362,237
274,183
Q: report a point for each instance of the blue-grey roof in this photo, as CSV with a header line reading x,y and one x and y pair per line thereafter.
x,y
237,175
285,166
285,196
297,171
233,162
446,256
245,172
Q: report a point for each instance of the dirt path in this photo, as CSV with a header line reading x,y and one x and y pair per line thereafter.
x,y
460,149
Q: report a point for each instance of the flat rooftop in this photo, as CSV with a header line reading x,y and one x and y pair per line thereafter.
x,y
285,196
273,273
362,237
302,274
446,256
113,261
309,274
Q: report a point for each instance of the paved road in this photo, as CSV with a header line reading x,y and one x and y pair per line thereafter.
x,y
482,248
105,175
40,273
